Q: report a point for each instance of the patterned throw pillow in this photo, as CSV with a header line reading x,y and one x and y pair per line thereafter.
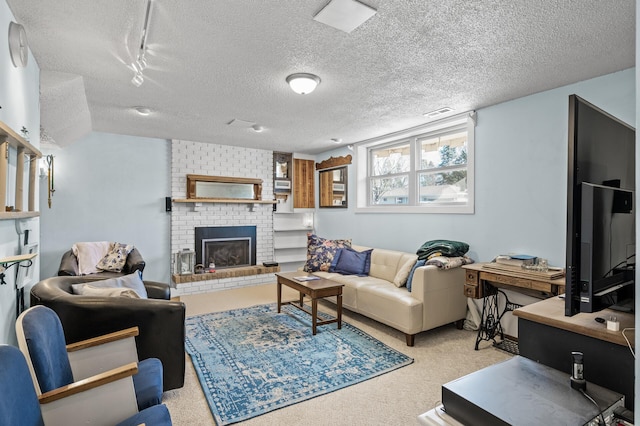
x,y
320,252
116,258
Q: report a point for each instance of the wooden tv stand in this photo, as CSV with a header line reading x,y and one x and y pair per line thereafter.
x,y
546,335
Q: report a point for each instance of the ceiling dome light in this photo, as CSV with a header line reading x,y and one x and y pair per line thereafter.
x,y
257,128
303,83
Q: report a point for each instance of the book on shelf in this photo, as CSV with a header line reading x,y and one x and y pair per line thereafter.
x,y
306,278
516,259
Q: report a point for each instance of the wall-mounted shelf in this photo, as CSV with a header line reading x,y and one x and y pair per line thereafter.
x,y
18,215
5,261
9,138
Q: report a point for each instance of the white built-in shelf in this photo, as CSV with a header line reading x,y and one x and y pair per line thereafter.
x,y
290,239
292,258
289,246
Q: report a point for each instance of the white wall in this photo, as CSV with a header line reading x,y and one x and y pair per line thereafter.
x,y
520,177
109,188
19,90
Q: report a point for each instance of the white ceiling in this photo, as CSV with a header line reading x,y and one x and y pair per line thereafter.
x,y
211,61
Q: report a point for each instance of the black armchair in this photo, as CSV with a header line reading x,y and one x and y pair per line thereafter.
x,y
160,320
69,265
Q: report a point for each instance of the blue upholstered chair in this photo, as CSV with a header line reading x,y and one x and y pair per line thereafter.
x,y
20,406
54,364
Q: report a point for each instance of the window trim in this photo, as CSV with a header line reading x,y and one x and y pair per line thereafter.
x,y
362,148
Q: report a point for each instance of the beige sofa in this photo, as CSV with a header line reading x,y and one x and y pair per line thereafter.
x,y
436,297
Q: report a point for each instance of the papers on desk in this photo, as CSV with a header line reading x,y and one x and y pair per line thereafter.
x,y
306,278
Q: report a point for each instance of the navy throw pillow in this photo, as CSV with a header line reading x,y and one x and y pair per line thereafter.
x,y
348,261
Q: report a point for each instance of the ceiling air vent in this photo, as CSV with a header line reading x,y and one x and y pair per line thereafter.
x,y
438,112
345,15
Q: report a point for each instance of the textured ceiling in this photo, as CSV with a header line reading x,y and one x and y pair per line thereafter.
x,y
211,61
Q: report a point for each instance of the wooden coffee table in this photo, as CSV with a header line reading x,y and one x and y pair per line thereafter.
x,y
316,289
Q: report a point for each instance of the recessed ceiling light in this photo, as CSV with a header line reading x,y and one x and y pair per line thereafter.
x,y
142,110
344,15
336,140
257,128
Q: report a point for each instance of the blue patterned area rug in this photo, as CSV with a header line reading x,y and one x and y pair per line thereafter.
x,y
254,360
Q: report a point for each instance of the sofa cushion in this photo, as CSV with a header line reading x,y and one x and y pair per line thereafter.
x,y
89,254
132,281
351,262
320,252
405,268
91,290
391,265
391,305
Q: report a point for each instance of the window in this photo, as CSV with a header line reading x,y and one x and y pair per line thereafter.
x,y
428,169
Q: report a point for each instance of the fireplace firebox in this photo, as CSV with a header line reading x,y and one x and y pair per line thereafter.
x,y
225,246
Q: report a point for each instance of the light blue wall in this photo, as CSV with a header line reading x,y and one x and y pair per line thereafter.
x,y
19,99
109,188
520,177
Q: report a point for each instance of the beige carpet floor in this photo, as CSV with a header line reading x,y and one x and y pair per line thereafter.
x,y
395,398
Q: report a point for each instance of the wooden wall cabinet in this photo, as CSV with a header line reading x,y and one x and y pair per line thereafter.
x,y
303,184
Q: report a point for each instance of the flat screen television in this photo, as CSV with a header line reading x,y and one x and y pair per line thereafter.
x,y
600,257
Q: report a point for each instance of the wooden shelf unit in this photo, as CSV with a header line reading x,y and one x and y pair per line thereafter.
x,y
9,138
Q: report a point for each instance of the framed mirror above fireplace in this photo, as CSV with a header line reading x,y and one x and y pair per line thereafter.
x,y
223,188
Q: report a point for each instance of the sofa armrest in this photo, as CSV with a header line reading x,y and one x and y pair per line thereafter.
x,y
157,290
68,264
442,294
134,262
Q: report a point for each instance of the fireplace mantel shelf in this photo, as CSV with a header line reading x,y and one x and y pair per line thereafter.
x,y
223,200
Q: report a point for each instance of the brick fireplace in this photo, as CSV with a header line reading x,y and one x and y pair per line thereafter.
x,y
220,160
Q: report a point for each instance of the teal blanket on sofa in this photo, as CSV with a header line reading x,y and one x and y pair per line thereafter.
x,y
447,248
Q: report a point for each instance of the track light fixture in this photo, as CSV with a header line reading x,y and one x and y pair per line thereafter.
x,y
141,61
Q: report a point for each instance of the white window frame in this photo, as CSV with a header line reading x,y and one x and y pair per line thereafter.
x,y
362,155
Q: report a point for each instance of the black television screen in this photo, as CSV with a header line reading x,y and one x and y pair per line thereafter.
x,y
601,156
